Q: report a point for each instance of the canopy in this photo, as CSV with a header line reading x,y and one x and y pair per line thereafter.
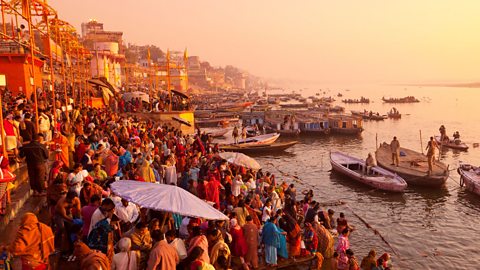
x,y
137,94
97,82
167,198
241,160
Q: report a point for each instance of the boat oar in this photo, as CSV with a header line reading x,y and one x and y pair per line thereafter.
x,y
375,231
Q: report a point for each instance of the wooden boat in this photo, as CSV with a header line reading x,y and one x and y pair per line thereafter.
x,y
469,177
409,99
413,166
258,148
374,117
454,144
265,139
355,168
216,132
394,115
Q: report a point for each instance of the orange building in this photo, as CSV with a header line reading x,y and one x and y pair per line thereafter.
x,y
17,70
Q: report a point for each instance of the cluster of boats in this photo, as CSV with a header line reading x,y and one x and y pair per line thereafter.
x,y
409,99
362,100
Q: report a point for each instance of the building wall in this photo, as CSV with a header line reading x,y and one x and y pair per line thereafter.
x,y
17,73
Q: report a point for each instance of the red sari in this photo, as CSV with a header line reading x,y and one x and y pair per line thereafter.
x,y
239,244
212,192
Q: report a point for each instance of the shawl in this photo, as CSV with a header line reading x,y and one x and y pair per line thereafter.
x,y
34,241
271,235
90,259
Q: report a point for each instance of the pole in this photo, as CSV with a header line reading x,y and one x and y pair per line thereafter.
x,y
376,141
421,141
168,82
52,74
32,54
64,80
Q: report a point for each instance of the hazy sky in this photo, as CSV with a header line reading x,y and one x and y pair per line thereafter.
x,y
326,41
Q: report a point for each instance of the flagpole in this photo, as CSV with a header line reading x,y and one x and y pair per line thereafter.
x,y
32,55
168,82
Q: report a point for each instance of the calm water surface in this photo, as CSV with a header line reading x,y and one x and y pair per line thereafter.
x,y
427,228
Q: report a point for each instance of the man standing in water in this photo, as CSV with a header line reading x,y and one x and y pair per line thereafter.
x,y
395,148
431,154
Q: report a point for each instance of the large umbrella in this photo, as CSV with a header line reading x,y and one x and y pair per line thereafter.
x,y
166,198
241,160
137,94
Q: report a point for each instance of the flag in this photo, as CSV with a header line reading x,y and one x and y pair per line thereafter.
x,y
26,9
185,54
105,69
148,55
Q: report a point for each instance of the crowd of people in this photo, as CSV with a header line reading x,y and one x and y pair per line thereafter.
x,y
270,222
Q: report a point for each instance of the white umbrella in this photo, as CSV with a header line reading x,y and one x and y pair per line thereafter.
x,y
166,198
241,160
137,94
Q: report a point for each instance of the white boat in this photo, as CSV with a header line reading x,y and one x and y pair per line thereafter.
x,y
355,168
470,177
260,140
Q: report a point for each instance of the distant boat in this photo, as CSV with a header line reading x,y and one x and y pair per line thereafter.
x,y
454,144
413,166
469,177
355,168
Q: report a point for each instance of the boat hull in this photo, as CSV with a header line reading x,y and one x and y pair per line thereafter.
x,y
469,178
384,181
413,167
347,131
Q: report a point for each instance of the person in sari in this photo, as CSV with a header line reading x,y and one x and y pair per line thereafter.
x,y
218,246
101,238
341,248
342,223
239,245
55,170
385,258
199,240
352,261
90,259
88,190
271,239
253,213
369,261
142,243
146,172
325,245
125,259
294,236
250,231
310,238
241,213
212,191
33,244
98,174
61,147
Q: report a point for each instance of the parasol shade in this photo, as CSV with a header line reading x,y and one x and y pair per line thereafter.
x,y
137,94
166,198
240,159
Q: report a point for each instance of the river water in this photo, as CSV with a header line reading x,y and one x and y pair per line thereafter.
x,y
428,228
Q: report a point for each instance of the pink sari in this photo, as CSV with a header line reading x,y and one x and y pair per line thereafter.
x,y
200,241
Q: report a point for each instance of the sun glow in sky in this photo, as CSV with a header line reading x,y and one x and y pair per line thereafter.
x,y
315,40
